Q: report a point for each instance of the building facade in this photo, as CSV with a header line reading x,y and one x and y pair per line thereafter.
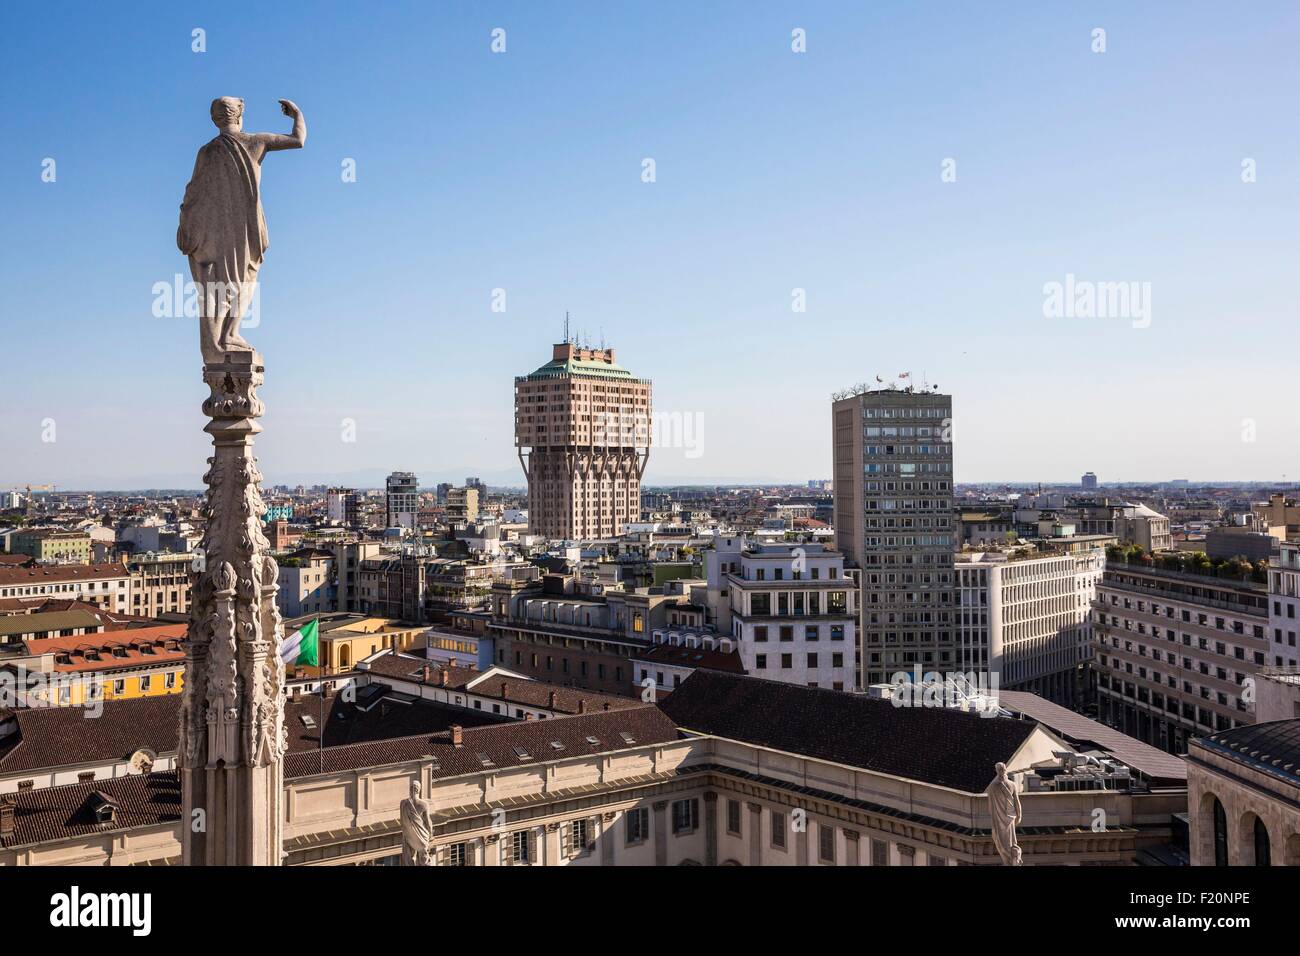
x,y
793,615
107,586
582,430
1176,653
1283,607
1243,796
1027,618
52,545
402,502
160,583
894,520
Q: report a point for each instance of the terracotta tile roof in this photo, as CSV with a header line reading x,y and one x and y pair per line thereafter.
x,y
63,736
586,734
113,650
54,573
56,813
931,744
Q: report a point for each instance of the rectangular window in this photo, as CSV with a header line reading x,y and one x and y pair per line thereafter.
x,y
778,830
579,837
826,843
520,846
638,825
733,817
686,815
879,853
456,855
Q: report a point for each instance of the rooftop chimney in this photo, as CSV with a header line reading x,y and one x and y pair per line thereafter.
x,y
6,818
582,705
446,677
427,674
457,735
552,700
505,687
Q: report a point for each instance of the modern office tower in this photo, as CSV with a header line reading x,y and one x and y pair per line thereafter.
x,y
403,500
1174,652
894,520
582,430
1088,481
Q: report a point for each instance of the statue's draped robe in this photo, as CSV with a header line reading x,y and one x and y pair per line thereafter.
x,y
416,833
1004,806
222,228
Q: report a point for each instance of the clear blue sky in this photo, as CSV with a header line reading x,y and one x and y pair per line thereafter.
x,y
774,171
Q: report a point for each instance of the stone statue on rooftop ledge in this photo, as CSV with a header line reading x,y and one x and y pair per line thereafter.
x,y
417,829
1004,808
222,229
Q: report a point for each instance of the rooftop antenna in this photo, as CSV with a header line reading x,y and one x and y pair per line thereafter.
x,y
567,340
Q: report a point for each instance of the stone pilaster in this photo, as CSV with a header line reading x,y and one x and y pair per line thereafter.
x,y
232,733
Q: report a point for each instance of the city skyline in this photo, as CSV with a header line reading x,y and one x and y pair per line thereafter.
x,y
777,172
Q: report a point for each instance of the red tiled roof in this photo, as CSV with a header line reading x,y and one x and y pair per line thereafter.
x,y
105,646
57,813
63,736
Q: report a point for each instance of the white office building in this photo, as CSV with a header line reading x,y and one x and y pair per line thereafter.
x,y
792,614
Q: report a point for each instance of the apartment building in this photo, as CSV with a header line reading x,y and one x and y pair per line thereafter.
x,y
307,583
160,583
341,506
582,430
402,502
52,545
1176,653
1026,616
1283,600
894,519
793,615
107,586
576,633
111,665
462,504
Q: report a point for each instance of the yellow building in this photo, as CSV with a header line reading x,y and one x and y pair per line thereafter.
x,y
348,638
112,665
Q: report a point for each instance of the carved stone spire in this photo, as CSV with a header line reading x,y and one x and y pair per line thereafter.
x,y
232,733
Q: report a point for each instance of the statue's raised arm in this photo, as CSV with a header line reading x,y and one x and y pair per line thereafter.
x,y
222,230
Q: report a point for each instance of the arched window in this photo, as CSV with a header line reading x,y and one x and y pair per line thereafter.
x,y
345,657
1220,835
1261,844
